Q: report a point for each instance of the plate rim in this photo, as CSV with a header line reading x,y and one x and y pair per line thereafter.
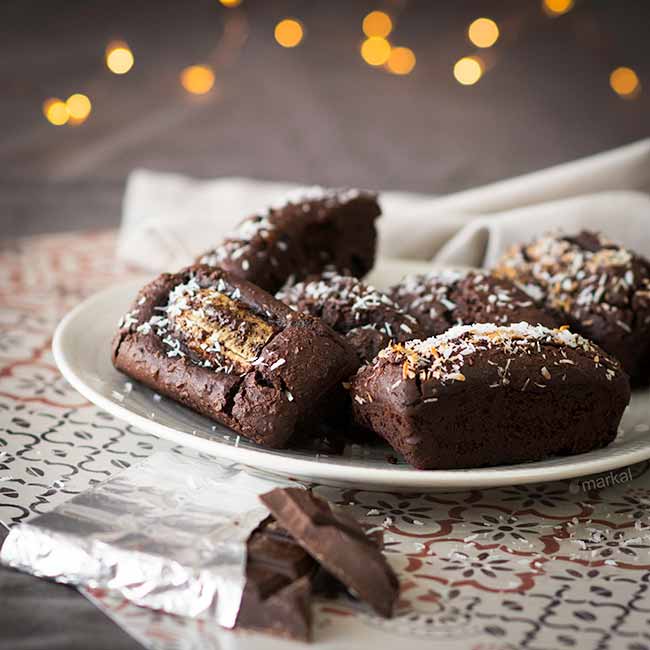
x,y
372,478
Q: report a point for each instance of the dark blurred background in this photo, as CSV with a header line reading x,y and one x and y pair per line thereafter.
x,y
316,112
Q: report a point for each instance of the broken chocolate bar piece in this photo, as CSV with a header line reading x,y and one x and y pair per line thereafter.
x,y
284,610
279,576
231,351
312,229
272,547
338,543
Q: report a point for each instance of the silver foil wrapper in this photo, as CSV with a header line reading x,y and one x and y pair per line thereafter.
x,y
168,534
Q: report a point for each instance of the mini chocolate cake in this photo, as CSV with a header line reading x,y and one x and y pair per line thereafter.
x,y
489,395
443,298
231,351
599,288
314,228
369,319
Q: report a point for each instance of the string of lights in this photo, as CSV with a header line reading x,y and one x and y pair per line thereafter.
x,y
377,50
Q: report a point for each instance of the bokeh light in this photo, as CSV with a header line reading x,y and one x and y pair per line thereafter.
x,y
625,82
119,58
468,70
483,32
375,50
79,108
377,23
401,60
55,111
230,3
197,79
289,32
557,7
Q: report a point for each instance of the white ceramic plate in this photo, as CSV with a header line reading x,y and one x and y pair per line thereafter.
x,y
81,350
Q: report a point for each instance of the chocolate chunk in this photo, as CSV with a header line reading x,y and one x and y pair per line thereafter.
x,y
488,395
281,577
441,299
231,351
338,543
597,287
312,229
368,318
279,584
272,547
274,605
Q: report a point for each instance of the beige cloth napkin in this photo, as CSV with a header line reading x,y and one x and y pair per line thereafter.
x,y
168,219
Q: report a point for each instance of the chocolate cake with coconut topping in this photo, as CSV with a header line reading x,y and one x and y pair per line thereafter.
x,y
368,318
443,298
231,351
599,288
485,394
311,229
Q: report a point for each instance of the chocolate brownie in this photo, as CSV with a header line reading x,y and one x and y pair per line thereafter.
x,y
443,298
489,395
599,288
231,351
311,229
368,318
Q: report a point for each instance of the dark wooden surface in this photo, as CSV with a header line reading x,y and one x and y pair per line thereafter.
x,y
314,114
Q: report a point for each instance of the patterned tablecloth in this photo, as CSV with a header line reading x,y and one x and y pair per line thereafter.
x,y
538,566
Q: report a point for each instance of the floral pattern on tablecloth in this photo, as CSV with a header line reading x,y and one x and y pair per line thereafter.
x,y
541,566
